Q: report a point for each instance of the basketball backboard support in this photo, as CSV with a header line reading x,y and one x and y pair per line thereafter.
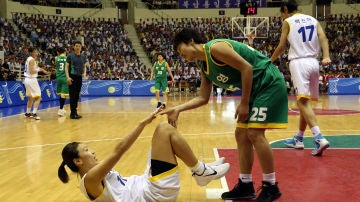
x,y
242,27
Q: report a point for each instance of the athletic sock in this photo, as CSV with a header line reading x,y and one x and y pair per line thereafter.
x,y
300,133
199,168
270,177
315,130
246,178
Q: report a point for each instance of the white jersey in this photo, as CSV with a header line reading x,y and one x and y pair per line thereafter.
x,y
27,68
143,188
303,38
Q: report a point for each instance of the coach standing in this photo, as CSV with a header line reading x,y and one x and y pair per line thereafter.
x,y
75,69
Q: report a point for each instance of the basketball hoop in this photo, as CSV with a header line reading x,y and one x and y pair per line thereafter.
x,y
250,38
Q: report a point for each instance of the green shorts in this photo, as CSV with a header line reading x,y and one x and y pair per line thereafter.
x,y
268,102
62,87
161,84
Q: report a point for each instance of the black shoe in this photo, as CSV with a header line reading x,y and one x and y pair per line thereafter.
x,y
163,105
269,192
28,115
75,116
240,191
158,105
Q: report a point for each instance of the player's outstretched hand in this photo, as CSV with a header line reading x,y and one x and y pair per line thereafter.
x,y
173,115
153,115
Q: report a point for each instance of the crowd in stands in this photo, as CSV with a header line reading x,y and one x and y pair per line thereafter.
x,y
157,35
105,43
111,55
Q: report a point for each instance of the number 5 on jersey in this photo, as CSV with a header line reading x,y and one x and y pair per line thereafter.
x,y
258,114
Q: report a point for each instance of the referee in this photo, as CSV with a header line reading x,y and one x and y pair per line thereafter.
x,y
75,69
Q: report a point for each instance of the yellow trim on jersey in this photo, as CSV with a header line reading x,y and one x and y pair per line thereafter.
x,y
262,125
306,97
206,60
35,96
163,175
207,64
210,52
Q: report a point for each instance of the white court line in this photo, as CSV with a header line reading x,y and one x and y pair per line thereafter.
x,y
150,136
215,193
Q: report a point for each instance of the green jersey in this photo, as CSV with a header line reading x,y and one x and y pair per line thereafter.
x,y
228,77
160,70
60,62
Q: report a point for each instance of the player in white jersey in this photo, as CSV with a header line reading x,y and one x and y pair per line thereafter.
x,y
32,87
160,182
305,36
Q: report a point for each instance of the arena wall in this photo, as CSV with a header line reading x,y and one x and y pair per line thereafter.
x,y
142,13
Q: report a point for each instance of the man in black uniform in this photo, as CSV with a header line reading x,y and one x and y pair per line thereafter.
x,y
75,69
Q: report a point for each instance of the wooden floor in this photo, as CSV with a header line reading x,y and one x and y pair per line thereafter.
x,y
30,150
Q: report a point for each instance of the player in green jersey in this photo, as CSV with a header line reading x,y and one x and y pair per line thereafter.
x,y
264,103
62,87
158,71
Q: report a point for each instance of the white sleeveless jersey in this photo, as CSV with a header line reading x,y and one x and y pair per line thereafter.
x,y
303,38
143,188
27,68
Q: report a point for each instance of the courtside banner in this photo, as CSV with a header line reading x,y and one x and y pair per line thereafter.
x,y
117,88
344,86
12,93
48,90
101,88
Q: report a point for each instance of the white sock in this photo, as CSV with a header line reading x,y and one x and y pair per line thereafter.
x,y
246,178
315,130
28,110
34,110
199,168
300,133
270,177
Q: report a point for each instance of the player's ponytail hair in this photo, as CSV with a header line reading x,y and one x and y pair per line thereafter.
x,y
69,153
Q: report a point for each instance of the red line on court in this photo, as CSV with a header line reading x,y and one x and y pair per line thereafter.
x,y
333,177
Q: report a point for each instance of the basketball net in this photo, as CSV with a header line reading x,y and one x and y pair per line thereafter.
x,y
250,38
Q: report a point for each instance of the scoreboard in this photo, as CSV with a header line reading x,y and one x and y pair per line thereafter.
x,y
248,8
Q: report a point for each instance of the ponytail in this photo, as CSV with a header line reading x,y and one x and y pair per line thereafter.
x,y
62,174
69,153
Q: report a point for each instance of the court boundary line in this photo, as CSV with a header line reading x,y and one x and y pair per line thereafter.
x,y
147,137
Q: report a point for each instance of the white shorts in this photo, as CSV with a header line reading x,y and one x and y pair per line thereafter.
x,y
305,76
163,187
32,87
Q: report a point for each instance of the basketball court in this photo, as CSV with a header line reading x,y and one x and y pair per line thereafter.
x,y
31,150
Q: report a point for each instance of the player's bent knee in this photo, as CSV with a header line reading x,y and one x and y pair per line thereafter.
x,y
163,129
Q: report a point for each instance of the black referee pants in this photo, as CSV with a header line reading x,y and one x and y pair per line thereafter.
x,y
74,92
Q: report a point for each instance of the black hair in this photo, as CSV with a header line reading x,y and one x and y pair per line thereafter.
x,y
61,50
185,36
291,6
160,53
77,42
69,153
31,49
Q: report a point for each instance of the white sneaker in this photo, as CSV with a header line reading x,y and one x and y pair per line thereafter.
x,y
295,142
320,144
219,161
35,116
61,112
211,173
